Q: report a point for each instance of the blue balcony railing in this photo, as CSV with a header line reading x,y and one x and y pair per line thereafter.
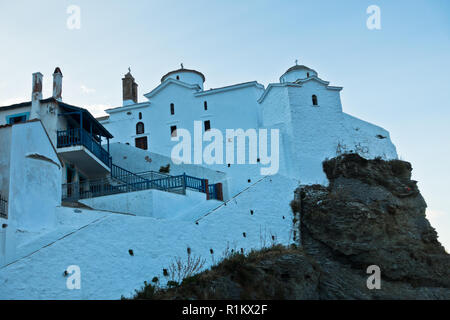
x,y
80,137
127,181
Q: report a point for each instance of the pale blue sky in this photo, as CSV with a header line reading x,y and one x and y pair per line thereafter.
x,y
396,77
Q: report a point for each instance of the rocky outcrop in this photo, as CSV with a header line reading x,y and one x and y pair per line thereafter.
x,y
371,213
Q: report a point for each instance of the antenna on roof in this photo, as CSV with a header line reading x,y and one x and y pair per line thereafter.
x,y
129,69
296,62
182,67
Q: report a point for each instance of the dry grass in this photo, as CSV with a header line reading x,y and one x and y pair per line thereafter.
x,y
235,265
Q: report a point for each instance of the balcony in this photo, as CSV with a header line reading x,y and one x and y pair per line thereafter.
x,y
79,147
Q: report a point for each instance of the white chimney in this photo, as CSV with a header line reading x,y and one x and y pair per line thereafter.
x,y
36,96
57,84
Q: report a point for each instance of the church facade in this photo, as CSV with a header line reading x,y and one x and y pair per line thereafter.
x,y
305,109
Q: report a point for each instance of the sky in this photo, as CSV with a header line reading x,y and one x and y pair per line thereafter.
x,y
396,77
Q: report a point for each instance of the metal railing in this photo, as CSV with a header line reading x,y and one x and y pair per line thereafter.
x,y
125,176
3,208
152,175
127,181
195,183
80,137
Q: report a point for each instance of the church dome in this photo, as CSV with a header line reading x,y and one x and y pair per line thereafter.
x,y
186,75
297,72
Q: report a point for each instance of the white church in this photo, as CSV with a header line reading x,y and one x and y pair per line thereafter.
x,y
305,109
85,192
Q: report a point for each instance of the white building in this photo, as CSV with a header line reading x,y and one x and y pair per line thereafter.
x,y
306,110
45,143
74,133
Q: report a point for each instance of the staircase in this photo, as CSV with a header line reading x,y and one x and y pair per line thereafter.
x,y
122,181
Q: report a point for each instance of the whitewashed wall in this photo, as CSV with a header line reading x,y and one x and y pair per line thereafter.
x,y
227,109
35,178
48,115
148,203
312,133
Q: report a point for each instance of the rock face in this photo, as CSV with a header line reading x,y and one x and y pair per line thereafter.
x,y
371,213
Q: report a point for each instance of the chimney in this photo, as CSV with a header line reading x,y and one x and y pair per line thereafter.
x,y
57,84
36,96
130,90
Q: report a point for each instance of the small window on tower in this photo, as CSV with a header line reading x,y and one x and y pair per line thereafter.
x,y
314,100
173,131
207,125
140,115
140,128
205,105
307,74
172,109
178,77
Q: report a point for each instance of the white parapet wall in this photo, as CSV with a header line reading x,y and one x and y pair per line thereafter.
x,y
30,180
35,178
149,203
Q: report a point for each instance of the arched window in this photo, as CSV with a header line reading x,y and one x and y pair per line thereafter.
x,y
140,115
307,74
140,128
314,100
205,105
172,108
178,77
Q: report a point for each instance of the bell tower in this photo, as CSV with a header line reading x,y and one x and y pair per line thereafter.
x,y
129,89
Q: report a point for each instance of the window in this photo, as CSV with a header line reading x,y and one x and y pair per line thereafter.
x,y
140,115
207,125
178,77
140,128
314,100
141,143
172,109
307,74
17,118
205,104
173,131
